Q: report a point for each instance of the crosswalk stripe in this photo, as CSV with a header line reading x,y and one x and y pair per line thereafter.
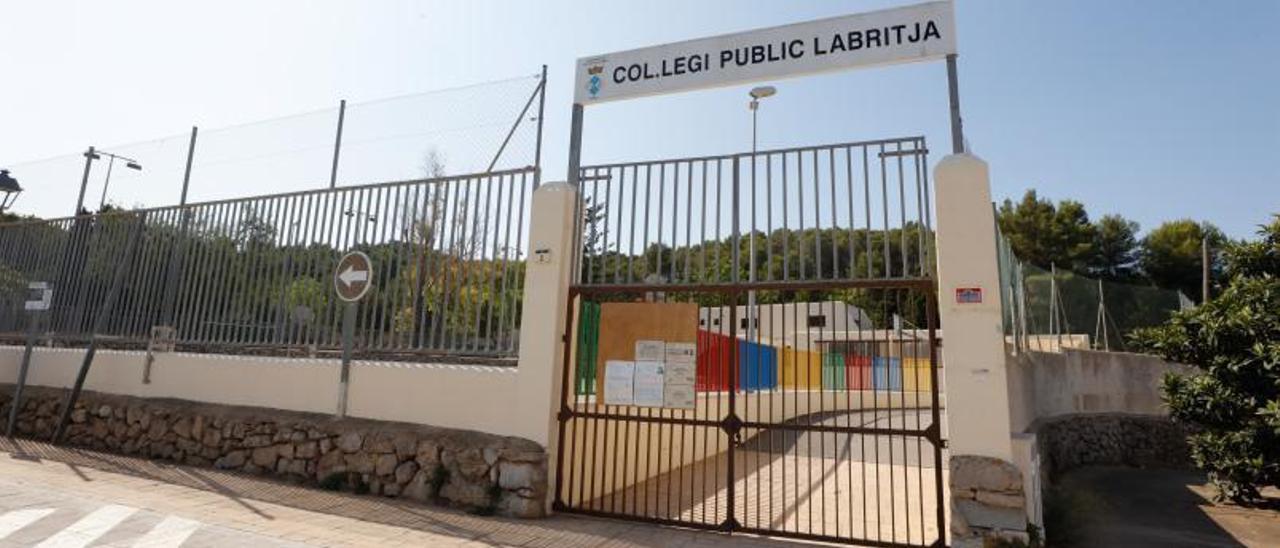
x,y
89,528
17,519
169,533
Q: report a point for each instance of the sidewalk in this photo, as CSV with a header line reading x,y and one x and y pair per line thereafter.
x,y
293,515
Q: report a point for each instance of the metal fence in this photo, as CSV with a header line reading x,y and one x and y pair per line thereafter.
x,y
798,283
256,273
834,438
1049,309
845,211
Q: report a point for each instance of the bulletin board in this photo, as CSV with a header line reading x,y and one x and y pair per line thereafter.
x,y
622,324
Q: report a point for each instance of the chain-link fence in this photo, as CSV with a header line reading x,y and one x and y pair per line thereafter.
x,y
494,126
255,274
1049,309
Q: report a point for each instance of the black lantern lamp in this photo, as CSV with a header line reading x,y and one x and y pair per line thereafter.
x,y
9,190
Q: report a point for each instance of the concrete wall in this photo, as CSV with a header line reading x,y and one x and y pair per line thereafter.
x,y
451,396
1044,385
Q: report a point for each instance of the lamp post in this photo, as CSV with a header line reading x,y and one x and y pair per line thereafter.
x,y
89,156
9,190
756,94
129,163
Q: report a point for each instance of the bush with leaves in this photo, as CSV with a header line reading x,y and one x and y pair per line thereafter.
x,y
1233,400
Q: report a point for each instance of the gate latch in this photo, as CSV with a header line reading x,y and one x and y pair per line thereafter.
x,y
732,426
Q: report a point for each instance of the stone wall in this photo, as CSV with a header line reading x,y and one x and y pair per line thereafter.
x,y
1071,441
987,501
481,472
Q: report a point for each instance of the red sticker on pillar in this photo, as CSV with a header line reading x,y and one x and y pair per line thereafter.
x,y
968,295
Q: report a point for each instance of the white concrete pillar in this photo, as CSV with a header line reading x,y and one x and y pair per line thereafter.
x,y
973,334
988,491
542,324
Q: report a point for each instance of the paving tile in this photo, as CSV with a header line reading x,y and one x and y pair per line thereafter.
x,y
239,510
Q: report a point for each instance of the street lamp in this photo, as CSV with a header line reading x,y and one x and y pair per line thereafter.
x,y
756,94
94,154
129,163
9,190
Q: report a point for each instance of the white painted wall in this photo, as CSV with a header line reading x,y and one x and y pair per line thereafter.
x,y
436,394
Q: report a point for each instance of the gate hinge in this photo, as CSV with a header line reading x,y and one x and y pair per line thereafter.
x,y
934,434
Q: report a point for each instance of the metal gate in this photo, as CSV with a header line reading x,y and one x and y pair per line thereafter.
x,y
802,280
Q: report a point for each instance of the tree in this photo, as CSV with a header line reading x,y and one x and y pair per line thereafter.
x,y
1233,400
1044,234
1171,255
1115,252
424,223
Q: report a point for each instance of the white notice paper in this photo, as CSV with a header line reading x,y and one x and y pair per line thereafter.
x,y
678,396
619,382
649,383
650,351
680,373
681,353
682,365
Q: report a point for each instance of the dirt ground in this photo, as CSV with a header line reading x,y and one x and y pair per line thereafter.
x,y
1119,506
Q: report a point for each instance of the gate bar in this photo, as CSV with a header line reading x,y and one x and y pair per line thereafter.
x,y
861,283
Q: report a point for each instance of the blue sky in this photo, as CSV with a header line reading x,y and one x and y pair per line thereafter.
x,y
1154,110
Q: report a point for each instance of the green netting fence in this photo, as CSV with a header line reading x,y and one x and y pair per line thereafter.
x,y
1045,309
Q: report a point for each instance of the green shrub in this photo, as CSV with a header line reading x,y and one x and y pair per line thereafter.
x,y
1233,399
439,477
334,481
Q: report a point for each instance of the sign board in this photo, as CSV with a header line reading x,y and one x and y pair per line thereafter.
x,y
353,276
968,295
163,339
39,296
919,32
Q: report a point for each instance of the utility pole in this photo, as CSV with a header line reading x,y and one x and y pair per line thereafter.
x,y
756,95
89,157
1204,269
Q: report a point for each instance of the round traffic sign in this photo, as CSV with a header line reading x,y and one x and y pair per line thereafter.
x,y
353,276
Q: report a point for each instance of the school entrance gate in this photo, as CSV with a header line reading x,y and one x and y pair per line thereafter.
x,y
752,346
751,338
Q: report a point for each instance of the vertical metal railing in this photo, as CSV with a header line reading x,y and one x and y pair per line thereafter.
x,y
255,273
803,277
827,431
847,211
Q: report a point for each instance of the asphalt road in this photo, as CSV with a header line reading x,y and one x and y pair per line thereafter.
x,y
43,517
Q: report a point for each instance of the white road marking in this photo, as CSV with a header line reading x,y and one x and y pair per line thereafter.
x,y
18,519
89,528
169,533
